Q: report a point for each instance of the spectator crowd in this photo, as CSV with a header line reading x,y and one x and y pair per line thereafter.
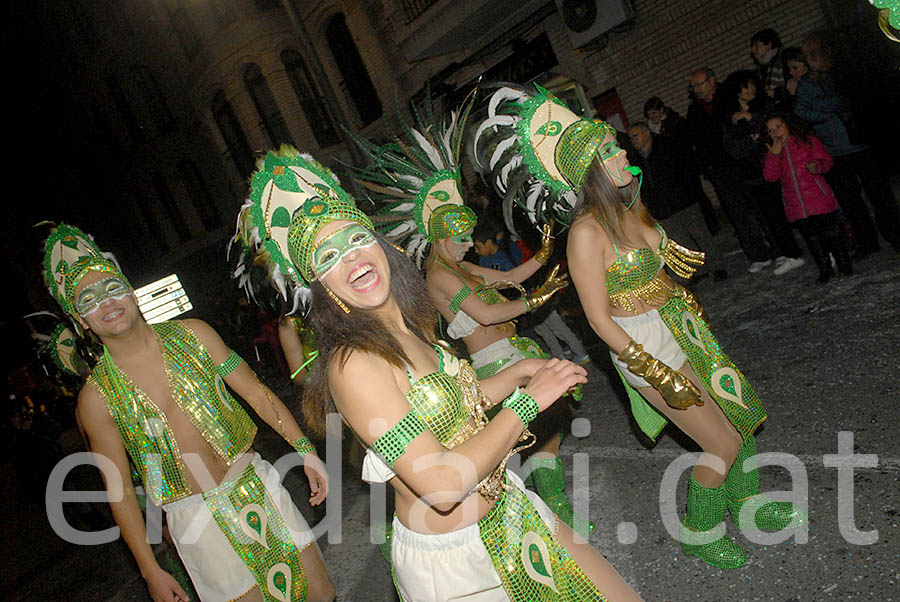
x,y
783,148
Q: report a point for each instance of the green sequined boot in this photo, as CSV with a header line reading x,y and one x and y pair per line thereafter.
x,y
741,486
549,479
703,532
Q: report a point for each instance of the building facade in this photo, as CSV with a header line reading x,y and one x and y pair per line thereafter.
x,y
181,96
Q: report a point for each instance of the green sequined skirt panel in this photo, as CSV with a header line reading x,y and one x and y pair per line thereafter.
x,y
248,517
723,381
531,563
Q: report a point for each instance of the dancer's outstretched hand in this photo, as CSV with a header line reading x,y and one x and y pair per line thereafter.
x,y
315,472
554,380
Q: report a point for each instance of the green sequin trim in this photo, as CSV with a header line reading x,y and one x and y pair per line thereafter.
x,y
529,560
458,298
229,365
304,446
524,405
199,392
249,518
392,444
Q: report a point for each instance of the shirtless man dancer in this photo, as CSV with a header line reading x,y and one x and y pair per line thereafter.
x,y
157,397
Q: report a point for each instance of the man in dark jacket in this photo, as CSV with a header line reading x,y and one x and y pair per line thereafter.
x,y
670,187
705,132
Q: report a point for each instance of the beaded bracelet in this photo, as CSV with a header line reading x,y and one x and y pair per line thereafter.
x,y
304,446
523,404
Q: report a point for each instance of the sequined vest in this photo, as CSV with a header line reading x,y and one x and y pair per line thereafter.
x,y
198,390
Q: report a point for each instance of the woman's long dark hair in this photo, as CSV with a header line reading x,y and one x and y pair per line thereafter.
x,y
339,333
726,101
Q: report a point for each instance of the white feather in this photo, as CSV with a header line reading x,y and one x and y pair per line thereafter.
x,y
416,248
432,153
501,148
447,137
570,197
505,120
501,95
297,298
534,193
403,207
514,163
112,258
278,280
413,181
400,230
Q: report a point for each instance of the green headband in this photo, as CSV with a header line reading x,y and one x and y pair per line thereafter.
x,y
450,220
576,149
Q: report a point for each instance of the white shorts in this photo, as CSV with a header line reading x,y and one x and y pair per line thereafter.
x,y
455,565
496,351
649,330
217,572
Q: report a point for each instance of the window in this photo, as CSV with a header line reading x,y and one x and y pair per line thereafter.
x,y
199,195
269,113
170,206
314,105
235,141
356,81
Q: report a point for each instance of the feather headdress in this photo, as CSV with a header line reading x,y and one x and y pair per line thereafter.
x,y
416,179
536,151
69,255
291,197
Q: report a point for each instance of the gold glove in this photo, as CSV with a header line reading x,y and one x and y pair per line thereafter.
x,y
678,391
543,256
552,285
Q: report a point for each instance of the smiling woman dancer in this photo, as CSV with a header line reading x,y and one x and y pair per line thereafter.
x,y
661,345
464,526
418,180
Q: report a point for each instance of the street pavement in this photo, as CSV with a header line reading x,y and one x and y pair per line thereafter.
x,y
823,360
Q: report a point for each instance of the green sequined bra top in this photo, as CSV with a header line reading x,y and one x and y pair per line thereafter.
x,y
638,274
446,400
197,389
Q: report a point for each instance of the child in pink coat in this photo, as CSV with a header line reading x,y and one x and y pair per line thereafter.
x,y
798,159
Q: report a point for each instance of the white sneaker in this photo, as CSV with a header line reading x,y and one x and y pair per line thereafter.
x,y
757,266
789,264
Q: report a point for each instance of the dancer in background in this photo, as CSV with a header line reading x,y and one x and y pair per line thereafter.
x,y
419,180
672,366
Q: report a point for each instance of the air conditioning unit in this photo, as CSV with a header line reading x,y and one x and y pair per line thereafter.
x,y
587,20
